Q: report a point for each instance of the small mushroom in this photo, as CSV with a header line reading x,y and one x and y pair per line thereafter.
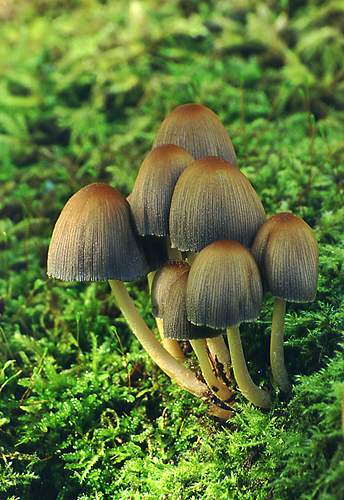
x,y
93,240
213,200
169,292
287,254
224,289
197,129
162,281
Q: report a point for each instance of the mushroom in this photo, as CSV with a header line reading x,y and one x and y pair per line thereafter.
x,y
161,283
177,326
93,240
213,200
287,254
150,203
197,129
224,289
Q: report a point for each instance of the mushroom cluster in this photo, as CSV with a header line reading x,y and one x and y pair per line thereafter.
x,y
195,226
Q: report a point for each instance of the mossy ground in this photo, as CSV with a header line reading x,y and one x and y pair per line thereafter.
x,y
83,87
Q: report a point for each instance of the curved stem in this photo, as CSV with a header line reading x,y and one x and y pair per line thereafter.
x,y
220,355
218,387
174,369
279,371
249,389
171,346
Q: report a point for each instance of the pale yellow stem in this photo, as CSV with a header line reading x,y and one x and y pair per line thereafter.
x,y
172,346
184,377
279,371
219,388
247,387
221,357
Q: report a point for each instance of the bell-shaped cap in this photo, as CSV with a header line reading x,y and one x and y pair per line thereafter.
x,y
94,240
212,201
150,199
224,286
162,282
287,254
175,321
197,129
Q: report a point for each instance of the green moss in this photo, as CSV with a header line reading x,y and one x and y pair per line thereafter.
x,y
83,87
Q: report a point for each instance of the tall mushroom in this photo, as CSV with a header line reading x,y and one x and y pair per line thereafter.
x,y
150,202
213,200
287,254
224,289
93,240
197,129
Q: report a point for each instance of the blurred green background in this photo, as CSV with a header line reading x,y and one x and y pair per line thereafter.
x,y
84,86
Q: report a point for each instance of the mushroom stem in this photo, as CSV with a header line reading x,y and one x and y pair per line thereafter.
x,y
220,355
184,377
248,388
217,386
171,346
279,372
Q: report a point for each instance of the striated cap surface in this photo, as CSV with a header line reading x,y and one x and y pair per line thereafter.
x,y
162,282
224,286
175,321
150,199
287,254
213,200
197,129
93,239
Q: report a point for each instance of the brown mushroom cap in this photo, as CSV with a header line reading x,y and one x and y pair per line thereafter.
x,y
175,321
162,282
197,129
150,199
287,254
224,286
93,239
213,200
